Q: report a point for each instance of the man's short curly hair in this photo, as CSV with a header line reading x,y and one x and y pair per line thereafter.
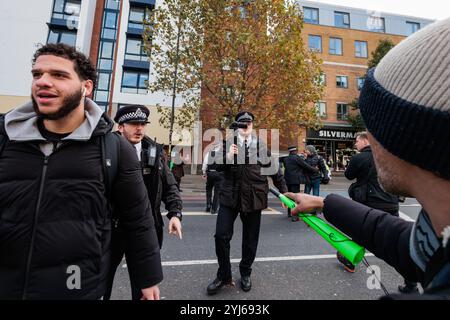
x,y
83,66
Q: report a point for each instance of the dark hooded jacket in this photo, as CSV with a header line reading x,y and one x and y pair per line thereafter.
x,y
55,217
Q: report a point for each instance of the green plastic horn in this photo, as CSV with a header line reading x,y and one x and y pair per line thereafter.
x,y
349,249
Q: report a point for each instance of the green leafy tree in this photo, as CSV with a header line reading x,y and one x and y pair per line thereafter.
x,y
384,46
173,40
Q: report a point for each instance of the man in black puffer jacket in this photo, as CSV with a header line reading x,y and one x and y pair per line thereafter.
x,y
404,104
55,216
367,189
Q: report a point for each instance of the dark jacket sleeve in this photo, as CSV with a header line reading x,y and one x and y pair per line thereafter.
x,y
386,236
354,167
302,163
170,193
136,219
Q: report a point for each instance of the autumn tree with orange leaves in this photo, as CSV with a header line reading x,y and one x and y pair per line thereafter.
x,y
249,55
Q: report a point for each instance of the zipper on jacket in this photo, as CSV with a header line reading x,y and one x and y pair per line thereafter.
x,y
33,232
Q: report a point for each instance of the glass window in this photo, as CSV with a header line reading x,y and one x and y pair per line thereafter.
x,y
107,50
143,77
376,24
53,37
321,109
130,79
112,4
66,9
361,49
360,82
111,20
135,50
137,16
134,82
103,81
315,43
69,38
62,36
101,95
342,81
342,19
311,15
336,46
109,33
342,111
412,27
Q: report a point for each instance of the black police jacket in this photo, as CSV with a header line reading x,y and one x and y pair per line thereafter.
x,y
296,169
160,182
243,186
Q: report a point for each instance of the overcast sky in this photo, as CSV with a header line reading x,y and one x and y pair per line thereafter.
x,y
430,9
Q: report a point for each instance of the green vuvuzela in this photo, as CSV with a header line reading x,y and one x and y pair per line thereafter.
x,y
349,249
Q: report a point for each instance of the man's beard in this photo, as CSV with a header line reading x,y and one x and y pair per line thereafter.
x,y
70,103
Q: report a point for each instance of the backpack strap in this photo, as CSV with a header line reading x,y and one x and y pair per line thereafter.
x,y
110,149
3,140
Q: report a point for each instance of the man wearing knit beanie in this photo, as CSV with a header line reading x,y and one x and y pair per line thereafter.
x,y
405,104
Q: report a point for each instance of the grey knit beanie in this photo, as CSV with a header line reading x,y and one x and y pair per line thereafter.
x,y
311,149
405,101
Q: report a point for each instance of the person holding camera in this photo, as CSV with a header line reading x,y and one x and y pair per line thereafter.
x,y
159,181
244,191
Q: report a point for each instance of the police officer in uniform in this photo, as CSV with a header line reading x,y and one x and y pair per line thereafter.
x,y
213,180
159,181
244,191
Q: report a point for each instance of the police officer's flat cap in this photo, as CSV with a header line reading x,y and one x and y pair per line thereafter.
x,y
292,148
244,116
132,113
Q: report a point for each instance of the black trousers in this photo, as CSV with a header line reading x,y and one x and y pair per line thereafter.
x,y
213,180
224,232
295,188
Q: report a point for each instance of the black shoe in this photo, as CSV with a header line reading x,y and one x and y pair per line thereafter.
x,y
294,218
407,288
348,266
208,209
246,283
216,285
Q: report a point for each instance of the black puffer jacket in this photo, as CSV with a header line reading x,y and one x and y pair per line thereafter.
x,y
362,168
243,186
55,217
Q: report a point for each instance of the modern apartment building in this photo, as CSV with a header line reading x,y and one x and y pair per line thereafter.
x,y
344,38
108,31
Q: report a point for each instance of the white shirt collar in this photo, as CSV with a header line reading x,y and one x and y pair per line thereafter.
x,y
138,147
241,140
